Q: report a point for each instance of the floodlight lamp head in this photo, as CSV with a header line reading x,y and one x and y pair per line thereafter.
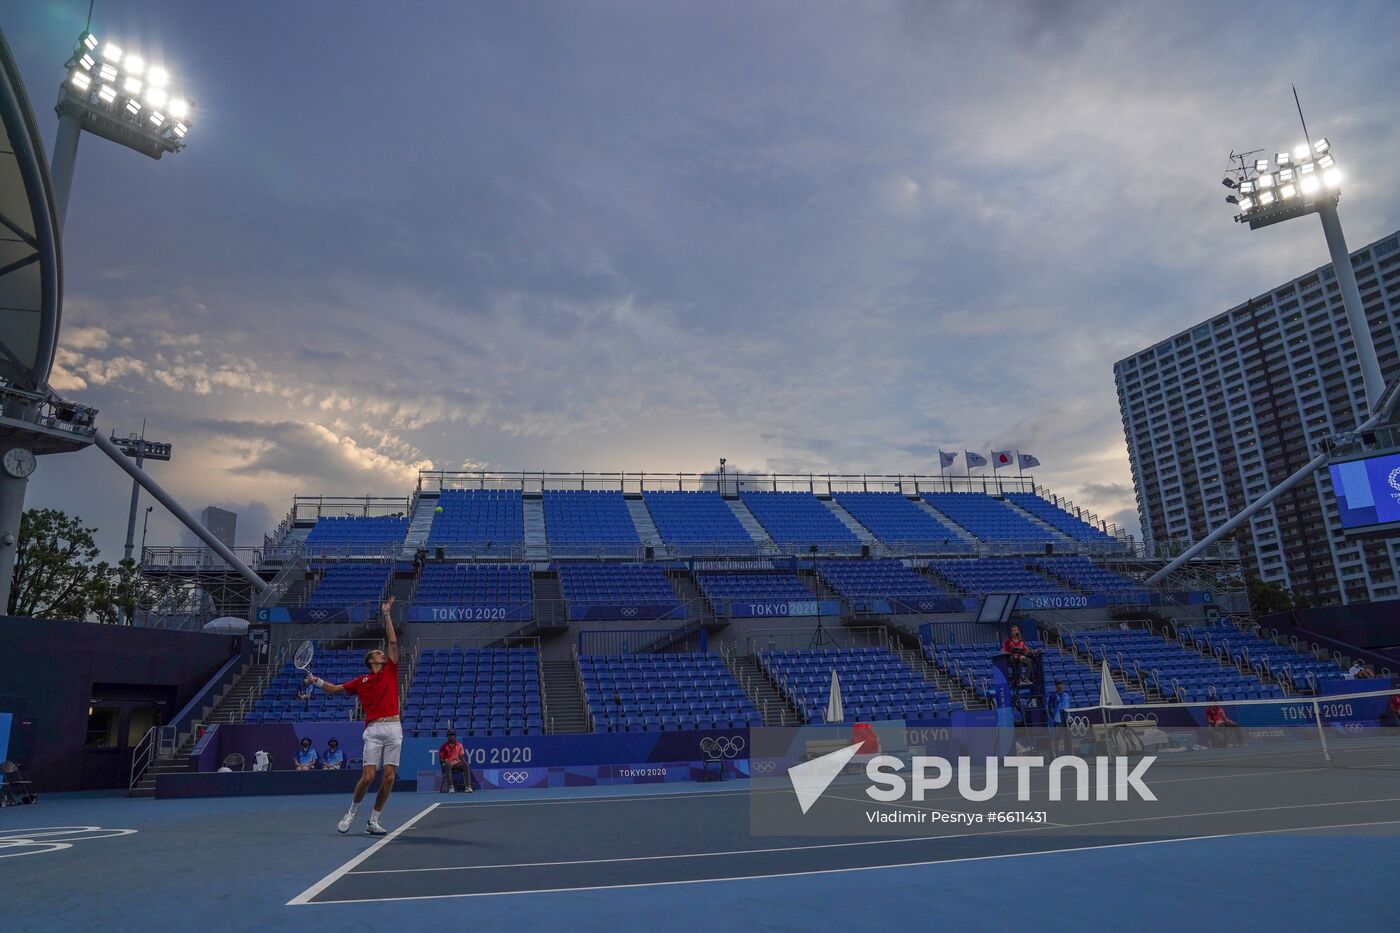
x,y
1229,182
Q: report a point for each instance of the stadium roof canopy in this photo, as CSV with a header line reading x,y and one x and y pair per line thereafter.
x,y
31,269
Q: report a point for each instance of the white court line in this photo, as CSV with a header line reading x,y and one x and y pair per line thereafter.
x,y
336,875
832,871
1038,827
463,804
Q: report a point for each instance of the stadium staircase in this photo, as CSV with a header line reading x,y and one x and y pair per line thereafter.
x,y
536,541
696,605
913,657
419,524
563,697
769,701
1140,683
961,532
1061,539
849,520
549,601
646,528
751,525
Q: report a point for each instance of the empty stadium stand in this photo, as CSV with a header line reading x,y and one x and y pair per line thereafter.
x,y
663,692
1062,521
971,666
875,684
585,522
477,592
797,521
476,691
1084,574
901,525
907,590
697,523
996,575
1269,660
351,535
349,584
1177,672
280,700
989,519
617,591
753,587
475,518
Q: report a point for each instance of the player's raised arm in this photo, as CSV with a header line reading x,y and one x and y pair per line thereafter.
x,y
325,685
387,614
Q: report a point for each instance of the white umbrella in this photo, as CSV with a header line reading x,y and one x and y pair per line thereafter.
x,y
834,710
1108,692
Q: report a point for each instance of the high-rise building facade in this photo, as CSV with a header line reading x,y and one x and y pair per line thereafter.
x,y
221,523
1216,415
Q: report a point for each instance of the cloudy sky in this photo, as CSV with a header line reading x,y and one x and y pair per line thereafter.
x,y
803,236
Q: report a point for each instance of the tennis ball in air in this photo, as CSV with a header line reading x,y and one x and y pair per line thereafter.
x,y
438,509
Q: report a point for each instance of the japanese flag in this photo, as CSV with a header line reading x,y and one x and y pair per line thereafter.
x,y
1001,458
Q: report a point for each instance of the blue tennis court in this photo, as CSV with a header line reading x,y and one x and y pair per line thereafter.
x,y
625,857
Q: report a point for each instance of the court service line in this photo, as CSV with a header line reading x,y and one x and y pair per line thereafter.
x,y
336,875
855,868
1039,827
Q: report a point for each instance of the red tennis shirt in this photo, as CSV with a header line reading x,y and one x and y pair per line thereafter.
x,y
378,692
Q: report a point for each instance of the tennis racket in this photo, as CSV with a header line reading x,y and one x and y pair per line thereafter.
x,y
302,660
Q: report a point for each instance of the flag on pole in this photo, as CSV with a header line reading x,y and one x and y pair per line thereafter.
x,y
1001,458
946,459
972,458
1026,461
1108,691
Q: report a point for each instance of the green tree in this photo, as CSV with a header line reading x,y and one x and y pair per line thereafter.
x,y
58,574
1266,598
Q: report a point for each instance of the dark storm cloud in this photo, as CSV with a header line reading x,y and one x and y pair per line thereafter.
x,y
807,236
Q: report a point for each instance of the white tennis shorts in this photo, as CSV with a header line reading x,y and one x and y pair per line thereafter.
x,y
383,742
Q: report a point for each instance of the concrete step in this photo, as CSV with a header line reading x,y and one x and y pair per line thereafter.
x,y
641,518
419,524
1061,539
849,520
564,697
959,530
536,539
776,709
751,524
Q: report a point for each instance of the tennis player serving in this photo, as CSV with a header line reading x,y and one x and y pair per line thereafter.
x,y
378,692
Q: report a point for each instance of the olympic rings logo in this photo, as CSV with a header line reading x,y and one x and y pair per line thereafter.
x,y
726,747
629,613
515,777
17,842
1079,725
765,766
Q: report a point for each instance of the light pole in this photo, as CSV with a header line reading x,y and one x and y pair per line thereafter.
x,y
144,525
116,94
141,450
1304,180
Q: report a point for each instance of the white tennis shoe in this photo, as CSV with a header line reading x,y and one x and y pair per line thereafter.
x,y
345,821
372,828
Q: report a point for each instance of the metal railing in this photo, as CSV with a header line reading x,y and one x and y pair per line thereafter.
x,y
730,482
141,757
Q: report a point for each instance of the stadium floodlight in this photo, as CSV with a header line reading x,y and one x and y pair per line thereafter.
x,y
125,100
1300,184
138,448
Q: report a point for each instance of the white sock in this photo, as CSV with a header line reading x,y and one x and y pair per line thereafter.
x,y
354,808
375,816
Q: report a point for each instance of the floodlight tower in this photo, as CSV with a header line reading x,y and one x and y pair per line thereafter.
x,y
139,449
1306,180
1303,180
116,94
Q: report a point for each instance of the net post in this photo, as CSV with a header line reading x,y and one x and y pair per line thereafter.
x,y
1321,732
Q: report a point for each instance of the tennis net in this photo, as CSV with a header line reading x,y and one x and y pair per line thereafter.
x,y
1358,730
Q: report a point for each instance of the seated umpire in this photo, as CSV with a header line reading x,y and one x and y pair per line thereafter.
x,y
453,757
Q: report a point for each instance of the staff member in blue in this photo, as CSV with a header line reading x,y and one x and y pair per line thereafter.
x,y
1056,713
306,757
334,758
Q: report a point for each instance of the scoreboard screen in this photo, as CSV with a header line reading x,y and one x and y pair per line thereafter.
x,y
1368,492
